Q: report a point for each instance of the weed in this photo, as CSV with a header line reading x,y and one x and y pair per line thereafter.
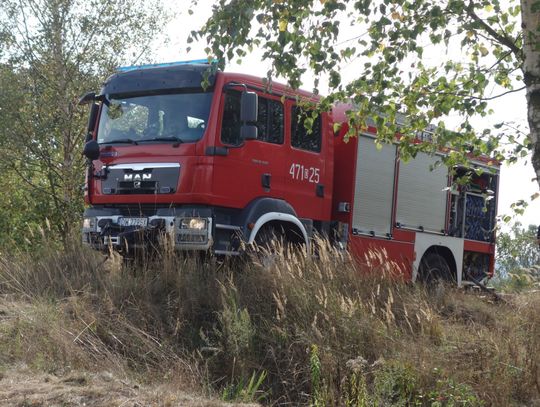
x,y
236,330
450,394
395,384
246,391
318,387
355,392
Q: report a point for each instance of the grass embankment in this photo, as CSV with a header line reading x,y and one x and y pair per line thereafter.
x,y
320,332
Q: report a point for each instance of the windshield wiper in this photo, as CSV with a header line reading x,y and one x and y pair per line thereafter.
x,y
122,140
177,140
169,138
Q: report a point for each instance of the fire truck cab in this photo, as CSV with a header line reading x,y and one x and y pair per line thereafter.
x,y
170,156
229,164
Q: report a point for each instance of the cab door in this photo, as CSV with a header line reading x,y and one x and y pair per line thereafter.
x,y
307,187
255,168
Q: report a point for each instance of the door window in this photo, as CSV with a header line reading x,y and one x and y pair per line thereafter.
x,y
305,130
269,120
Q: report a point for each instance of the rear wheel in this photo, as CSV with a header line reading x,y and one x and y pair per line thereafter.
x,y
434,268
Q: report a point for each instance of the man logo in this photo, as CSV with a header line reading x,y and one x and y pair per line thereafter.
x,y
136,184
137,177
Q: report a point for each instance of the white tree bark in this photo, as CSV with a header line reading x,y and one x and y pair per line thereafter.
x,y
530,14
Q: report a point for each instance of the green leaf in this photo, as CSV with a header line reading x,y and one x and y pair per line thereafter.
x,y
483,50
396,70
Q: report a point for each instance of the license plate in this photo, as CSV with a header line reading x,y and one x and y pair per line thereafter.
x,y
141,222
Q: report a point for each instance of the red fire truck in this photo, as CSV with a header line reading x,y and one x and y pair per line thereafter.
x,y
226,165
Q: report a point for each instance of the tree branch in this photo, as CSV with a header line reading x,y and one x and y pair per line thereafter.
x,y
482,98
494,34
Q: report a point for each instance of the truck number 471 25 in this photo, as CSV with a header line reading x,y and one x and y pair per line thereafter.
x,y
302,173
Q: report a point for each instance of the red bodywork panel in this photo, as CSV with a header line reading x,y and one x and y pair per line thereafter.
x,y
400,249
375,253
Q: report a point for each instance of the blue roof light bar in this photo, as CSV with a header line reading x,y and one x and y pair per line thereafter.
x,y
192,62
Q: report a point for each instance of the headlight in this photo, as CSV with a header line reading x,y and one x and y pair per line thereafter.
x,y
89,223
193,223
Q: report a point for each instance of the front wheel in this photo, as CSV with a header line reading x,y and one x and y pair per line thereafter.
x,y
273,242
268,246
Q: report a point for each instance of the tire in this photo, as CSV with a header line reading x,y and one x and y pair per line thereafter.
x,y
434,268
267,245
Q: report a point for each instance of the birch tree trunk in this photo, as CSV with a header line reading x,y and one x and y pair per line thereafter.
x,y
530,15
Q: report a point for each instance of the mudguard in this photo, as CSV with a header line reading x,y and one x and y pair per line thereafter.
x,y
262,210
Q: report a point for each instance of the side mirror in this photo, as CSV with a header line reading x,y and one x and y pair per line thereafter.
x,y
248,107
248,115
92,121
248,132
91,150
87,98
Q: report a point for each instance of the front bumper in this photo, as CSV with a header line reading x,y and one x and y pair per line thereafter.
x,y
112,228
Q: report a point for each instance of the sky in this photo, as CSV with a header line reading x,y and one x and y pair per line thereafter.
x,y
515,181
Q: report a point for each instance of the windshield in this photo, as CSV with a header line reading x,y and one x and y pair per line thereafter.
x,y
178,117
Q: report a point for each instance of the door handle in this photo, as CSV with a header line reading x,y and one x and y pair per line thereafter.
x,y
265,180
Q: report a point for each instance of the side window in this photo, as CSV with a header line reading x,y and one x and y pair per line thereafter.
x,y
230,128
269,120
276,122
300,136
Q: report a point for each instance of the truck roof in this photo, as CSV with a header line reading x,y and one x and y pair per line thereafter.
x,y
156,78
274,88
170,77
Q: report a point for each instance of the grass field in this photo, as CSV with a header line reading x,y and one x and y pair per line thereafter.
x,y
195,331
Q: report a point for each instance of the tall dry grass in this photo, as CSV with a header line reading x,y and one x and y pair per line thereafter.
x,y
321,330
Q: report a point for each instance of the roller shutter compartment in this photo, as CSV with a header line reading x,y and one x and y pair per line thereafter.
x,y
374,188
422,195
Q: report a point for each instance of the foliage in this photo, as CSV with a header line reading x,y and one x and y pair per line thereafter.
x,y
318,388
395,385
485,53
449,394
517,249
518,258
355,393
236,330
52,52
